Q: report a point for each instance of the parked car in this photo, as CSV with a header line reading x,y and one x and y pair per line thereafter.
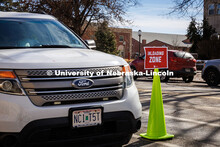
x,y
183,64
211,72
37,105
200,64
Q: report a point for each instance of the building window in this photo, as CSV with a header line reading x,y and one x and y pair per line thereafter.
x,y
218,9
121,38
211,9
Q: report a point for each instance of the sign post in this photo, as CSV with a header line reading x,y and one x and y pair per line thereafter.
x,y
155,58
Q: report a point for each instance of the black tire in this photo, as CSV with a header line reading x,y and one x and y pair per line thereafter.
x,y
124,140
188,79
164,78
134,69
127,139
212,77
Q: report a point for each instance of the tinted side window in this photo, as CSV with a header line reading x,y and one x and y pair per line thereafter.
x,y
183,55
179,54
188,56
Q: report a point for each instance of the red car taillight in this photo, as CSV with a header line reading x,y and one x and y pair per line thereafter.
x,y
194,60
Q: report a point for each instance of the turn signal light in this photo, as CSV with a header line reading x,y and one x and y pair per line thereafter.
x,y
7,74
126,69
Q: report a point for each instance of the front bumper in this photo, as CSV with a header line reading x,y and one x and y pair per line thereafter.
x,y
116,127
18,111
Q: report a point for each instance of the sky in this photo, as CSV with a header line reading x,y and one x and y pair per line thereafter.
x,y
151,16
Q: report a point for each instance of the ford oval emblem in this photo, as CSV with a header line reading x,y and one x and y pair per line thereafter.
x,y
82,83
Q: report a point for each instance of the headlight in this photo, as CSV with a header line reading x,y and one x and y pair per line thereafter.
x,y
204,65
128,75
9,83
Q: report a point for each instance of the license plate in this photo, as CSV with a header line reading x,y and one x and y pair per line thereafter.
x,y
86,118
187,70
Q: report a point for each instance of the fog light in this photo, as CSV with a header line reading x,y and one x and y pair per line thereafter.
x,y
6,86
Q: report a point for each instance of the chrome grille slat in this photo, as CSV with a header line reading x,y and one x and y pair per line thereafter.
x,y
61,78
68,83
43,72
42,88
68,91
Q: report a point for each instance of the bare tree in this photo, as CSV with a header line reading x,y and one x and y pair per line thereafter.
x,y
8,5
187,7
78,14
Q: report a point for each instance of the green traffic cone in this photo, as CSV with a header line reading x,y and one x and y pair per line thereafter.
x,y
156,129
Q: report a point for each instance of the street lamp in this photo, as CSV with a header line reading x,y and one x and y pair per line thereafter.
x,y
124,44
139,34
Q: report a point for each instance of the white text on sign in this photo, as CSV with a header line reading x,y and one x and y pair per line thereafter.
x,y
153,53
155,59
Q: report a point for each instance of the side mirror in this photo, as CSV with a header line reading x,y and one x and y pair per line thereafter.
x,y
140,57
91,44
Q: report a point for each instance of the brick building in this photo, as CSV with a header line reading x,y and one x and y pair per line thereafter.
x,y
124,41
123,38
212,13
172,41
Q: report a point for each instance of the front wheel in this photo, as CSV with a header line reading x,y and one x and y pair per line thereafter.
x,y
164,78
188,79
124,140
212,77
127,138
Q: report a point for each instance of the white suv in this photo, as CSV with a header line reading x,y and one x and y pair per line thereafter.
x,y
37,105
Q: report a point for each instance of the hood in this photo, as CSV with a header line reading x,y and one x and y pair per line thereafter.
x,y
56,58
214,60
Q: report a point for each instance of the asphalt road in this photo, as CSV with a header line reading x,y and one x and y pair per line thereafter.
x,y
192,113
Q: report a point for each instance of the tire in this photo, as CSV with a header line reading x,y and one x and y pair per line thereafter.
x,y
124,140
212,77
164,78
134,69
188,79
127,139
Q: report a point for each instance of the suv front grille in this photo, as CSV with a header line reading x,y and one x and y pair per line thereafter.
x,y
43,89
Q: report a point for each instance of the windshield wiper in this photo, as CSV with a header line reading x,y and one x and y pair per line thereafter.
x,y
52,46
8,47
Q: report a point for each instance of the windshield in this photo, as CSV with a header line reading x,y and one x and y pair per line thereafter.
x,y
27,33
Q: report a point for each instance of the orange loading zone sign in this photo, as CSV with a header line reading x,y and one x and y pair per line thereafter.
x,y
156,57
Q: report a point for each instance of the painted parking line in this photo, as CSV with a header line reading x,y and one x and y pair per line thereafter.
x,y
159,143
189,120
